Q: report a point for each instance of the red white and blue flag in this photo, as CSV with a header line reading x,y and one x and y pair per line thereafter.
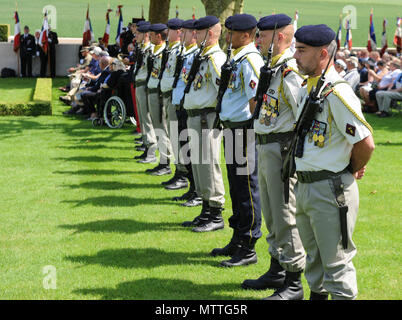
x,y
338,38
348,40
88,35
371,43
398,35
17,32
119,40
44,34
384,40
105,39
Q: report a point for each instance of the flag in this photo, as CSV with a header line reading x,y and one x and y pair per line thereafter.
x,y
119,26
348,40
371,43
177,11
193,13
88,34
17,32
105,39
44,34
339,34
384,41
398,35
293,45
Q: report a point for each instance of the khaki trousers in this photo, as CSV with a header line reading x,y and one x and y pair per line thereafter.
x,y
147,130
205,160
329,267
280,218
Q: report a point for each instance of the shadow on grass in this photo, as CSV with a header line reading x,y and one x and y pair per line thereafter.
x,y
119,201
112,185
95,147
145,258
163,289
126,226
93,159
97,172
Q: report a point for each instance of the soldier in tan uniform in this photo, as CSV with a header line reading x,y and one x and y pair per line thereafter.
x,y
274,129
329,159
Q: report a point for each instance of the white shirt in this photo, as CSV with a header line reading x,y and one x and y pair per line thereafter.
x,y
341,124
353,77
242,85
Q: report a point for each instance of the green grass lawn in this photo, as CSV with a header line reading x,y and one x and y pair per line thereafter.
x,y
73,198
14,90
71,14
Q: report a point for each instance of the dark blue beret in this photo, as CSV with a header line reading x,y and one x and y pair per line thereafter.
x,y
175,24
158,27
205,22
241,22
269,22
315,35
188,24
143,26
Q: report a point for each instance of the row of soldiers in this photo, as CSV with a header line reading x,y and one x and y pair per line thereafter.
x,y
298,127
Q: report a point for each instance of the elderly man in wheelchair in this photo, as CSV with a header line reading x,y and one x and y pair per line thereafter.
x,y
115,98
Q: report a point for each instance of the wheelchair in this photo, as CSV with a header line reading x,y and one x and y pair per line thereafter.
x,y
117,105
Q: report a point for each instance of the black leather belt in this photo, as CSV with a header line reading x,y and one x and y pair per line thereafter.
x,y
198,112
233,125
314,176
274,137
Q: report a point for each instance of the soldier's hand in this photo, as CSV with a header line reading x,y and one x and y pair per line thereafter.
x,y
359,174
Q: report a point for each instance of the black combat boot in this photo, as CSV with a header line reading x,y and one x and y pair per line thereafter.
x,y
318,296
274,278
201,219
214,222
244,255
292,289
229,249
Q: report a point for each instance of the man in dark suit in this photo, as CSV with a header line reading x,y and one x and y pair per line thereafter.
x,y
27,50
53,40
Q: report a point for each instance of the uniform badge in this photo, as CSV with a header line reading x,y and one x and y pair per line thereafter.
x,y
252,84
350,129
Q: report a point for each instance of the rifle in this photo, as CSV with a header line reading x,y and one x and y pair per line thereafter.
x,y
164,59
194,69
266,73
150,65
303,125
139,57
179,63
226,72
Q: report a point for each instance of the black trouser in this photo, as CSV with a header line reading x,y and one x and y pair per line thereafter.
x,y
243,184
52,53
26,64
43,64
90,99
182,125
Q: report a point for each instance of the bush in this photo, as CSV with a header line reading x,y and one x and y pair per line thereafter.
x,y
4,32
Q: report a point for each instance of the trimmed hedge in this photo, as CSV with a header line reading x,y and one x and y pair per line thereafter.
x,y
41,104
4,32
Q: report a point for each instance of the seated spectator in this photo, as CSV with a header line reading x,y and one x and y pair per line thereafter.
x,y
91,71
375,56
90,94
386,82
384,98
352,75
340,67
363,55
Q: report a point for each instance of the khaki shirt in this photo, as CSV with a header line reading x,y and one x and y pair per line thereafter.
x,y
168,74
143,71
154,78
279,107
204,89
335,130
